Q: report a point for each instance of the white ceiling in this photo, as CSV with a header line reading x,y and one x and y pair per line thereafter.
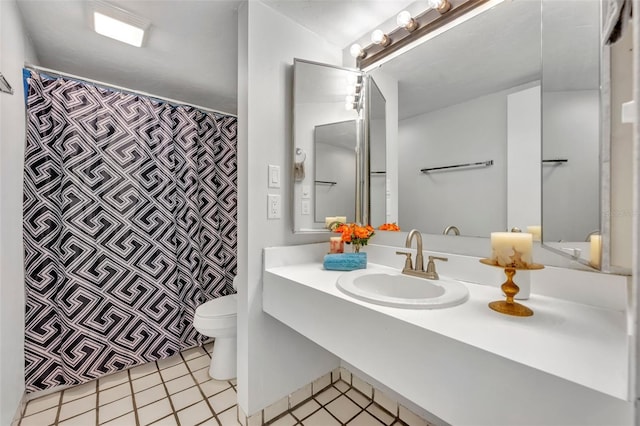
x,y
191,51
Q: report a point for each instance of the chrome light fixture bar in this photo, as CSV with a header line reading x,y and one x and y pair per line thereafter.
x,y
410,29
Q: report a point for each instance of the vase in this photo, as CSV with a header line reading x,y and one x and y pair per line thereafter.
x,y
356,248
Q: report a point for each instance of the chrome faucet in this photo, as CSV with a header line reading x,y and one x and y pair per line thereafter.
x,y
455,230
418,270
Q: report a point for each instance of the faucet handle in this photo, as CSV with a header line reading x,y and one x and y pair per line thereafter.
x,y
431,266
408,264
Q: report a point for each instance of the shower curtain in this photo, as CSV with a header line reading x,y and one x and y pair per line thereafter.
x,y
129,224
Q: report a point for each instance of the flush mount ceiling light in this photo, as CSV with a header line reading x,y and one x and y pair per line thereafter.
x,y
439,15
118,24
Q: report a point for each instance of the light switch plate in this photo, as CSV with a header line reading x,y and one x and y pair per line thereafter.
x,y
274,176
306,207
274,206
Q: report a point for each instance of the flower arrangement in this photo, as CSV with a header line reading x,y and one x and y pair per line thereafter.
x,y
355,234
389,227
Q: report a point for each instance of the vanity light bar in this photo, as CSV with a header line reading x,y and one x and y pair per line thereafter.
x,y
427,22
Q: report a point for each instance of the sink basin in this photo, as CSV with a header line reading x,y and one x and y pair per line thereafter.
x,y
402,291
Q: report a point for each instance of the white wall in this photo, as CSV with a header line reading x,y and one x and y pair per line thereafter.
x,y
571,200
468,132
15,49
273,360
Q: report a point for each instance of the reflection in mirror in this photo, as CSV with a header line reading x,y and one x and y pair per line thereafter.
x,y
377,140
335,165
464,100
571,128
323,96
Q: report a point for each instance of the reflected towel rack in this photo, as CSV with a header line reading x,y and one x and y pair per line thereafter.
x,y
556,161
325,182
455,166
379,173
5,87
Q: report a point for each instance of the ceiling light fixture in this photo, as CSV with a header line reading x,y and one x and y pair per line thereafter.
x,y
439,16
118,24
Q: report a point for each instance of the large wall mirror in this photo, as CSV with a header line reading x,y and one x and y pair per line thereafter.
x,y
469,101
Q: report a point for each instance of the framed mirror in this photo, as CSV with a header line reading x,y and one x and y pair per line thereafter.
x,y
327,135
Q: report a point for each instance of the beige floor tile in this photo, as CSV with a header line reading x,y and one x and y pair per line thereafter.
x,y
169,362
213,387
114,393
194,353
114,379
286,420
79,391
211,422
195,414
365,419
202,375
341,386
321,418
126,420
305,409
186,397
146,382
85,419
150,395
381,414
152,412
142,370
173,372
327,396
181,383
78,406
234,382
223,400
343,408
209,347
115,409
358,398
198,363
410,418
43,403
229,417
41,418
167,421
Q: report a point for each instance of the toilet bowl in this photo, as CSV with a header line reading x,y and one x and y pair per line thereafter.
x,y
217,318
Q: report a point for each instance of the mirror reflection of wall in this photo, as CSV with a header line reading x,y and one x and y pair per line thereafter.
x,y
377,155
453,97
335,169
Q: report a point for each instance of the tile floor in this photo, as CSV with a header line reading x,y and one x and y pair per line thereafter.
x,y
179,391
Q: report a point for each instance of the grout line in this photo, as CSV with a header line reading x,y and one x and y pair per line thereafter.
x,y
133,399
204,397
166,390
97,404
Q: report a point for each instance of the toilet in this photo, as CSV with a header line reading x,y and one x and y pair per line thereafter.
x,y
217,318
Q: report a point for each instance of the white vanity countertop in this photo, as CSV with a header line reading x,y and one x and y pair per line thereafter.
x,y
580,343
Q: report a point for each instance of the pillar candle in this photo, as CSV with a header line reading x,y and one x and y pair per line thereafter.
x,y
535,231
336,245
511,249
595,250
328,221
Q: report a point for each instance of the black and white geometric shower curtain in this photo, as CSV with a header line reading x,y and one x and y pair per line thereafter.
x,y
129,224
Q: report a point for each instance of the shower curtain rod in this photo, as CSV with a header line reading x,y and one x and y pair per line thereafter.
x,y
124,89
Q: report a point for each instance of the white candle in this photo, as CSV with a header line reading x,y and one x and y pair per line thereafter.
x,y
595,250
535,231
341,219
511,249
328,221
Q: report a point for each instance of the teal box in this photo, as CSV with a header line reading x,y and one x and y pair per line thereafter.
x,y
345,261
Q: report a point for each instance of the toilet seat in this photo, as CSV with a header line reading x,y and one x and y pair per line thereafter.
x,y
219,307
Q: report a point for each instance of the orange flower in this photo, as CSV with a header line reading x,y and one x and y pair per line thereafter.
x,y
389,227
355,234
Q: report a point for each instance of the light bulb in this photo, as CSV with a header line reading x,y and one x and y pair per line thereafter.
x,y
348,106
350,99
351,90
441,6
356,51
404,19
378,37
434,4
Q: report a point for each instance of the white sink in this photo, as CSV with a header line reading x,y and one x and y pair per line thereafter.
x,y
402,291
